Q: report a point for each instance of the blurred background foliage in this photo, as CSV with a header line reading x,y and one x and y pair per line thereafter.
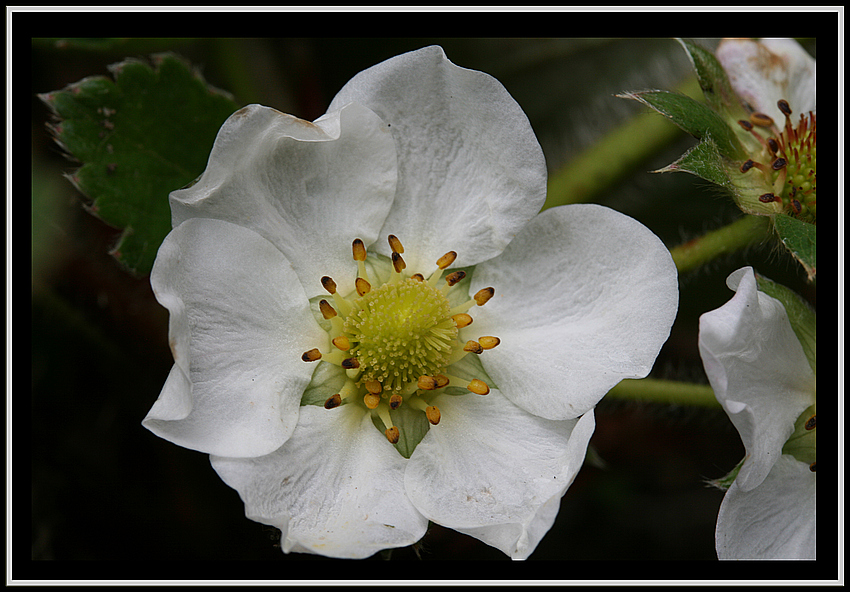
x,y
104,488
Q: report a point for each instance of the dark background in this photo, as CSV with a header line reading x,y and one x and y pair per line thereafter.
x,y
104,488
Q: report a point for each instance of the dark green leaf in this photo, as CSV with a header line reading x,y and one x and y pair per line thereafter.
x,y
800,238
140,136
693,117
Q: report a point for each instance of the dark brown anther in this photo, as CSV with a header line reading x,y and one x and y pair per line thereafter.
x,y
398,262
813,467
796,206
745,124
784,107
334,401
773,145
313,355
778,164
329,285
350,363
454,277
747,165
767,198
328,311
811,423
761,119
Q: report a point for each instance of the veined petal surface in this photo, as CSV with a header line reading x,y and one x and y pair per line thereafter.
x,y
584,297
335,488
239,323
471,172
309,188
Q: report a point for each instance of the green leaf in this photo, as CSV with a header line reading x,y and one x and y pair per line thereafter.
x,y
800,238
140,136
693,117
713,80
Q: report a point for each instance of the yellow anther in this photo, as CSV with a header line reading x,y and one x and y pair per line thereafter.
x,y
329,285
358,249
362,286
427,383
446,260
342,343
455,277
433,414
313,355
328,311
442,380
371,400
395,402
483,295
462,320
473,347
488,342
334,401
350,363
392,435
395,244
761,119
398,263
478,387
373,386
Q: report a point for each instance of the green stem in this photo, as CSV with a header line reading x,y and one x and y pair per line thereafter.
x,y
728,239
614,156
665,391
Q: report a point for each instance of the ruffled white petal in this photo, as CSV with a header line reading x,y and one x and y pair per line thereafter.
x,y
309,188
239,323
584,297
495,472
776,520
335,488
758,371
471,172
763,72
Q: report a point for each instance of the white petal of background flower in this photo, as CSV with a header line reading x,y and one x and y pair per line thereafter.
x,y
776,520
495,472
309,188
471,172
763,72
239,323
585,296
335,488
758,371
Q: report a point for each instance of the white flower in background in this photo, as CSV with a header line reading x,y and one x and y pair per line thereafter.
x,y
373,327
763,380
776,79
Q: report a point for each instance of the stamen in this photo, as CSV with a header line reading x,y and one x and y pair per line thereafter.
x,y
446,260
455,277
433,414
341,342
478,387
418,277
473,347
488,342
784,107
329,285
373,386
813,467
768,198
362,286
398,263
350,363
358,249
761,119
334,401
395,401
483,295
779,163
392,435
427,383
372,400
395,244
811,423
313,355
462,320
326,309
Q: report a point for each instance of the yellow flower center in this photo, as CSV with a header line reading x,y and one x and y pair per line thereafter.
x,y
397,342
788,161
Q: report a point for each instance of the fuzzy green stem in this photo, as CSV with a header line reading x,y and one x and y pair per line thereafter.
x,y
665,391
614,156
739,234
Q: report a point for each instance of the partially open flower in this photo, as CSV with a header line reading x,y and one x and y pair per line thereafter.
x,y
765,383
373,327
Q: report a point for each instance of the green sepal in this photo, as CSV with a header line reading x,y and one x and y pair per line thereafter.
x,y
693,117
703,160
800,239
803,443
138,136
713,81
801,315
726,481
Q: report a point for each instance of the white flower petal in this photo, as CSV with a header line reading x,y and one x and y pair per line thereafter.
x,y
309,188
239,323
335,488
758,371
763,72
584,297
471,172
776,520
495,472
